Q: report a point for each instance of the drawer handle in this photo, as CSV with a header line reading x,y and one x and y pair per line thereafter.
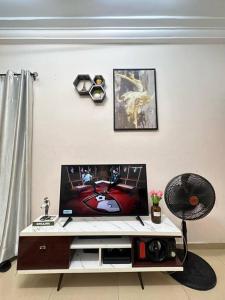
x,y
42,247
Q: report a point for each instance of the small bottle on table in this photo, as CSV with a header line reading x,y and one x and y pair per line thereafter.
x,y
155,208
156,213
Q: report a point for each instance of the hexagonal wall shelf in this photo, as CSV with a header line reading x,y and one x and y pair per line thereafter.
x,y
99,80
97,93
83,84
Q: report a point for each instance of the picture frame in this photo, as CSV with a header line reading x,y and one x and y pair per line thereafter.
x,y
135,99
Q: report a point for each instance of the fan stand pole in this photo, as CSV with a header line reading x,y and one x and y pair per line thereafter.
x,y
184,231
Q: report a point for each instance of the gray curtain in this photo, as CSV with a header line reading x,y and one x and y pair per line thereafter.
x,y
16,110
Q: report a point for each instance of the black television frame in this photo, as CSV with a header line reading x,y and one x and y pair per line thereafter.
x,y
104,215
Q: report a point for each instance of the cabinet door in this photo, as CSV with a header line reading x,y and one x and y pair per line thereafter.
x,y
43,253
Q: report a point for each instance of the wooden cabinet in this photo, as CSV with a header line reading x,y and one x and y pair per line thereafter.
x,y
44,252
88,246
80,246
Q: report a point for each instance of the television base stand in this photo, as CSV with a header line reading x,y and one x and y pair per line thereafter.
x,y
140,220
70,219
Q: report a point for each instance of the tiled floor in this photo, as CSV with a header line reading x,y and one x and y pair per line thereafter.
x,y
122,286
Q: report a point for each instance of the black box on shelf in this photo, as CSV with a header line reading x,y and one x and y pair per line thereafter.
x,y
90,250
116,256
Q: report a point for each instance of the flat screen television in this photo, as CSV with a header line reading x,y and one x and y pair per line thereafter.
x,y
103,190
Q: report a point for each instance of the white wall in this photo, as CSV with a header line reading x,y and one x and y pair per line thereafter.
x,y
71,129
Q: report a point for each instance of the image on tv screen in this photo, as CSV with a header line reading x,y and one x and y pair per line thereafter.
x,y
103,190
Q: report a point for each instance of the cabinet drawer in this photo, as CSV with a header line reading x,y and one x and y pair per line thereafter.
x,y
43,253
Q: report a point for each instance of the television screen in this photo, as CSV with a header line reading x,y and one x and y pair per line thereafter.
x,y
103,190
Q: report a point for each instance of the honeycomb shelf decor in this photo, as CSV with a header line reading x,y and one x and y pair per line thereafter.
x,y
94,88
83,84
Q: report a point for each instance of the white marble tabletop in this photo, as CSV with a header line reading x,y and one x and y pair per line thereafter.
x,y
103,226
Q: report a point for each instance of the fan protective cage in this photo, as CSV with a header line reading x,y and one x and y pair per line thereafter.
x,y
184,187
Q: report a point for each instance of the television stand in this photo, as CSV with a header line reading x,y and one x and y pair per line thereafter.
x,y
70,219
94,245
140,220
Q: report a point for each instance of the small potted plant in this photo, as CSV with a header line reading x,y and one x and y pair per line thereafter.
x,y
156,196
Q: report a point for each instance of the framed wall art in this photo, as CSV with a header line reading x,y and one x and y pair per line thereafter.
x,y
135,99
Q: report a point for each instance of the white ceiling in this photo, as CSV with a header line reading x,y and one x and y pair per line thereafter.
x,y
113,20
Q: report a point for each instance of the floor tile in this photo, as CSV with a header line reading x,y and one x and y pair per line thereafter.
x,y
111,286
156,286
33,287
87,286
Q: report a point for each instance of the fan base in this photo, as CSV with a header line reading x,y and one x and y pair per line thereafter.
x,y
197,273
5,266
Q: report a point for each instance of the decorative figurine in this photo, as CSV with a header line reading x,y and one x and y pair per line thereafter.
x,y
45,220
84,89
46,205
98,81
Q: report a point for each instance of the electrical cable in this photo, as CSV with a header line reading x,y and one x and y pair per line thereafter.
x,y
185,256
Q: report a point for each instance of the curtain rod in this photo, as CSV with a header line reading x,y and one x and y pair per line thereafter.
x,y
33,74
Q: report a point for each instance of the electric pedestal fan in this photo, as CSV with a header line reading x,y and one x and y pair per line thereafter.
x,y
191,197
